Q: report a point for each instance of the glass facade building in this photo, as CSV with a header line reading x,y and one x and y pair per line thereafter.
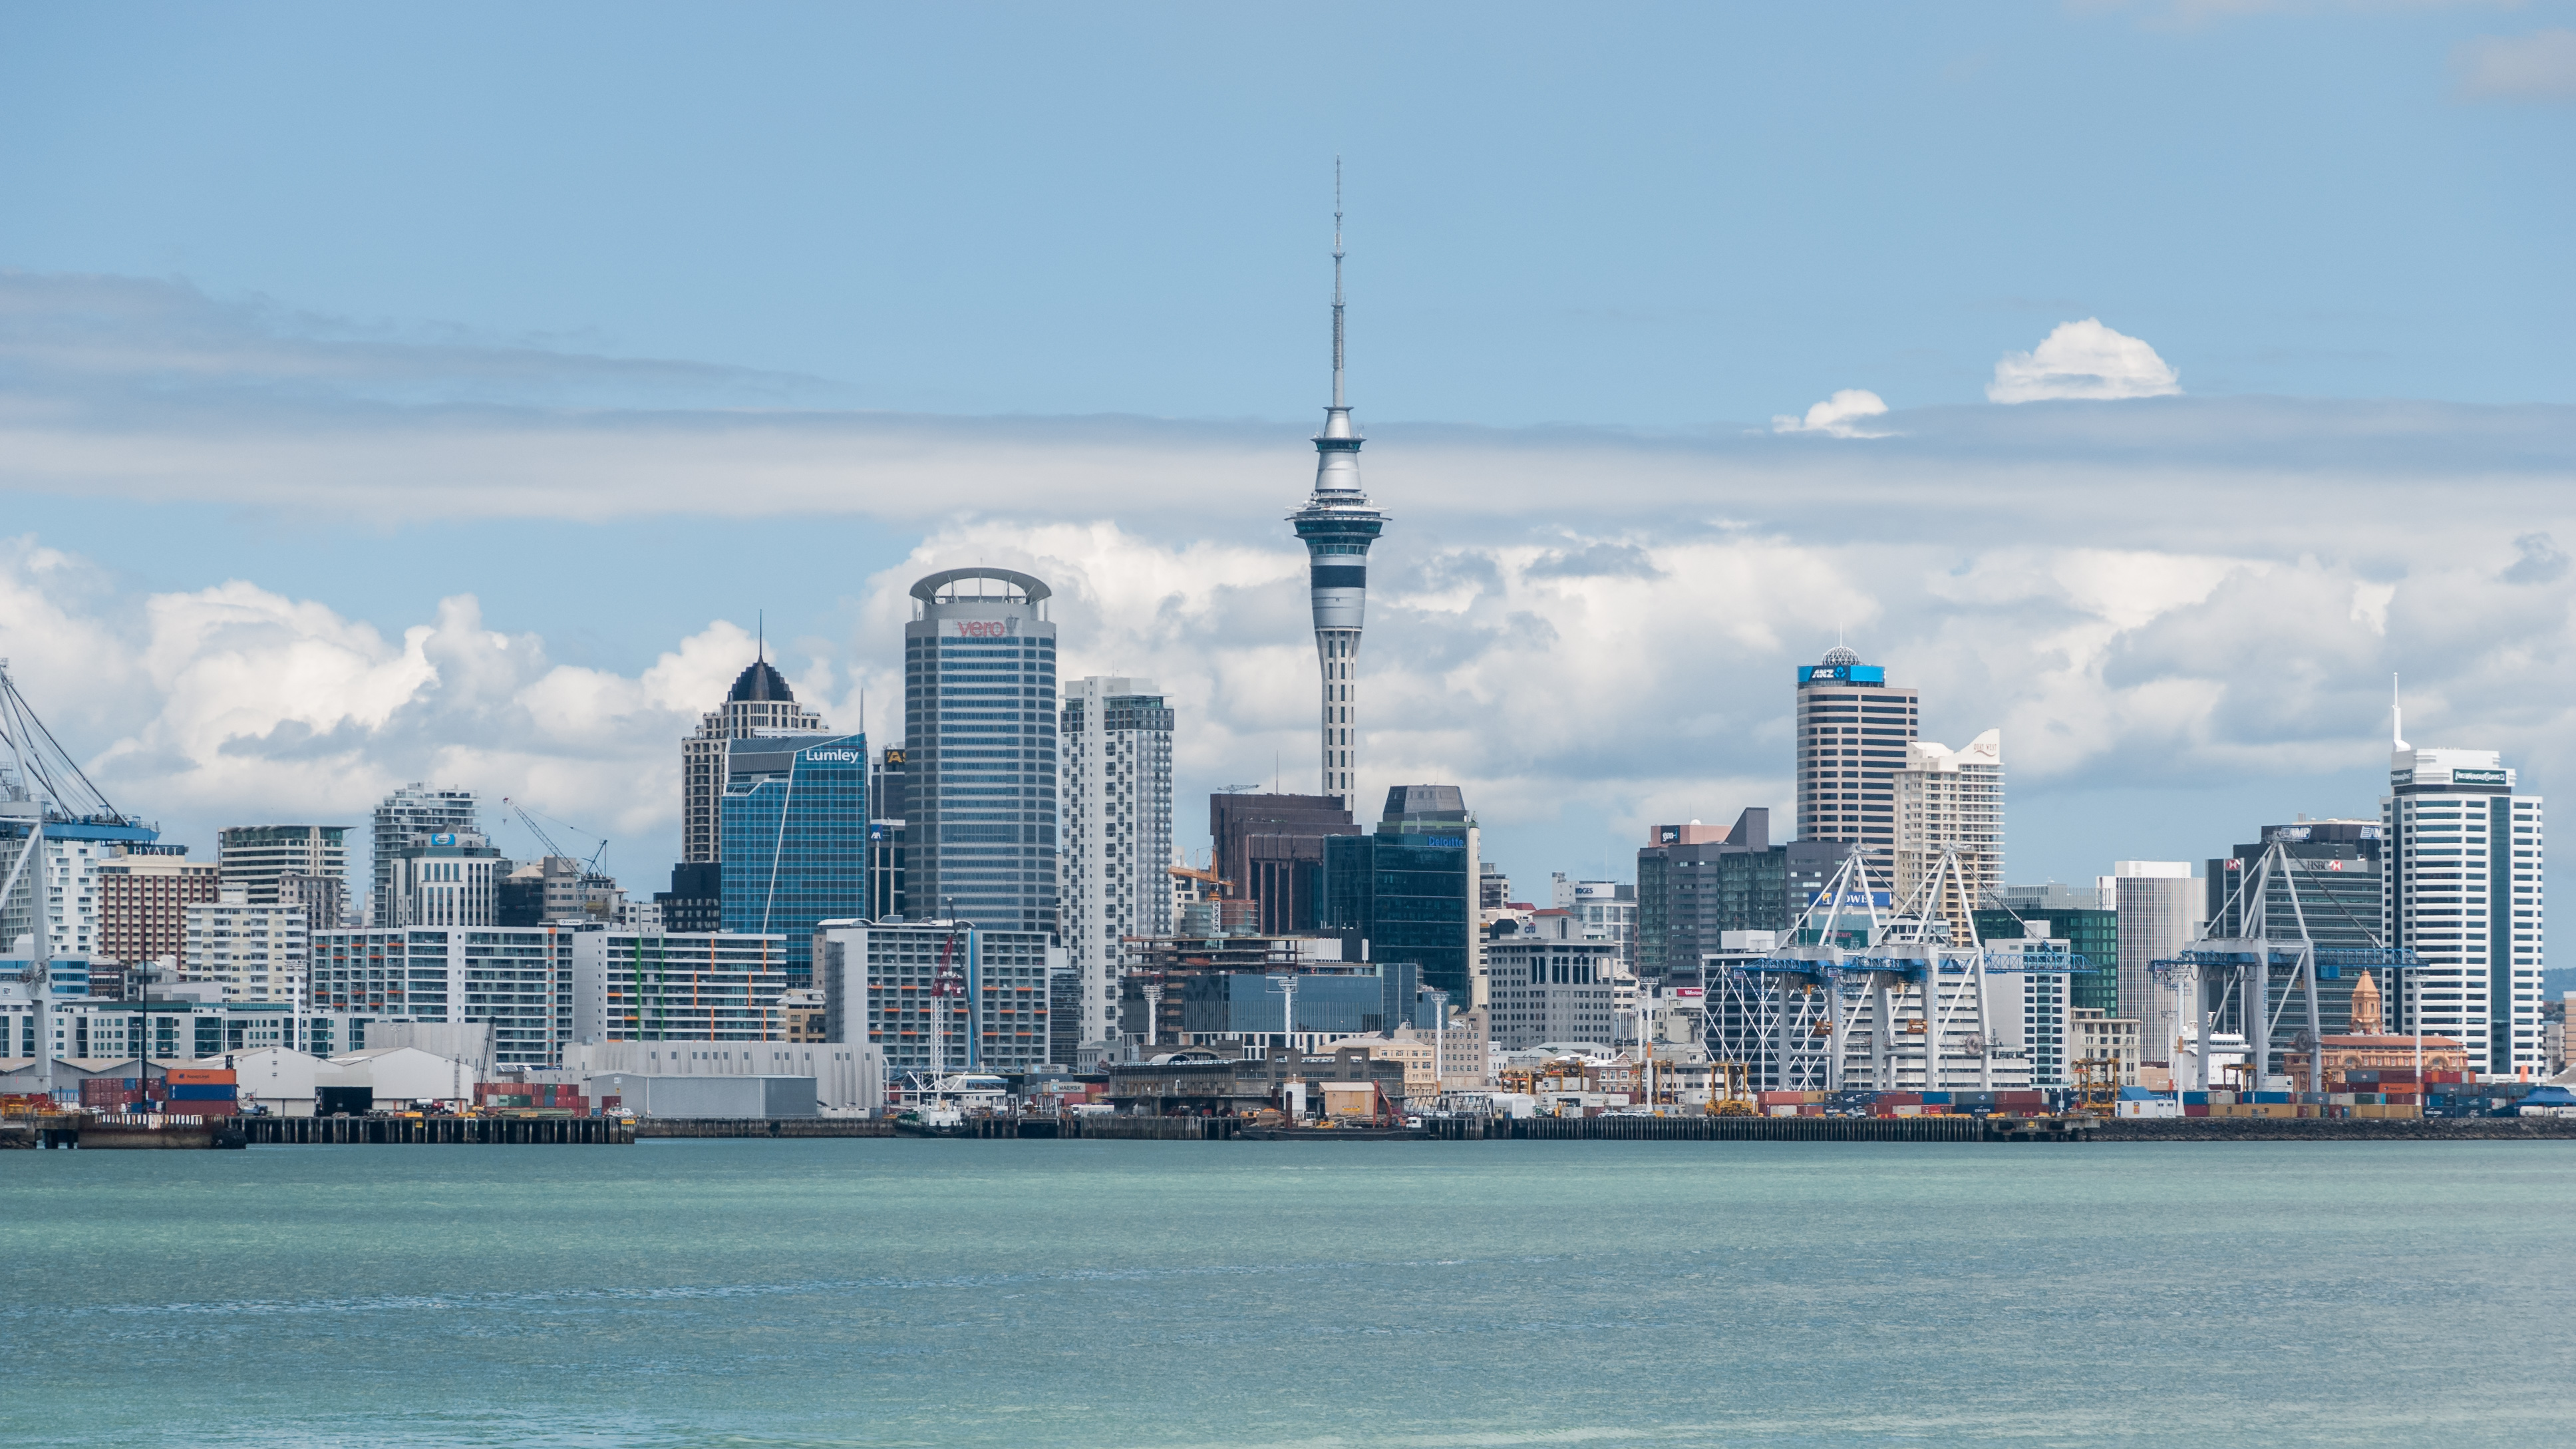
x,y
1410,888
2464,889
2089,928
795,849
979,720
1692,889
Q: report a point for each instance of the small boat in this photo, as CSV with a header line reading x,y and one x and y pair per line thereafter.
x,y
937,1120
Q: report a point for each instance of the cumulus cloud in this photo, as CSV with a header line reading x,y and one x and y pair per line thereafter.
x,y
1839,416
2083,360
2535,67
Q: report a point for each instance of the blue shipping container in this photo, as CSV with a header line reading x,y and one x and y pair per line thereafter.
x,y
1941,1099
202,1092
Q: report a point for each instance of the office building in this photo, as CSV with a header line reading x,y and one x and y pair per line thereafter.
x,y
640,986
878,981
1853,727
143,905
1493,888
2087,924
519,980
2336,869
2464,889
1116,743
1606,911
1551,984
980,751
1950,830
450,879
759,703
253,952
1270,851
2161,906
1337,525
258,858
1697,883
1409,889
1223,1008
407,814
795,838
694,905
889,895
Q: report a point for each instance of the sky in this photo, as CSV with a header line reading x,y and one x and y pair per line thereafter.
x,y
450,393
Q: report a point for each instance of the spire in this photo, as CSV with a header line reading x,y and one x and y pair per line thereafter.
x,y
1337,466
1337,283
760,636
2396,718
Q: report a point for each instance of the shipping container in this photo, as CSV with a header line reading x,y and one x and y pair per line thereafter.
x,y
2195,1109
196,1075
1941,1098
1775,1099
194,1092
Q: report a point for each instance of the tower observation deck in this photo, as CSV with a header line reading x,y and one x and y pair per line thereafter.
x,y
1338,525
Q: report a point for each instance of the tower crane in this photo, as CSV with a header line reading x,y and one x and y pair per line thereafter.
x,y
529,819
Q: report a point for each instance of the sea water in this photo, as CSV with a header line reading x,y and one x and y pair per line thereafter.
x,y
904,1292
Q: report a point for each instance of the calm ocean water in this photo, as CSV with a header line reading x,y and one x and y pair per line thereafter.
x,y
1152,1294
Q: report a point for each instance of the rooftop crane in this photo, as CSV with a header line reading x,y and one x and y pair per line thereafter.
x,y
529,819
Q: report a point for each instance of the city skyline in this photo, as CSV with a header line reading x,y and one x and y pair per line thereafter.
x,y
2165,538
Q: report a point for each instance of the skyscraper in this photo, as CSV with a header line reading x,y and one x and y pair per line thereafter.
x,y
1696,883
1410,888
1949,805
2463,888
1117,743
795,843
1270,851
979,726
415,809
759,703
2161,908
1853,728
1338,525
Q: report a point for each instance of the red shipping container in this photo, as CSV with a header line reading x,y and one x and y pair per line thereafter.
x,y
200,1109
1811,1109
2195,1109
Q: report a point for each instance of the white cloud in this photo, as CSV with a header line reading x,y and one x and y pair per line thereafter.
x,y
2535,67
2082,360
1838,416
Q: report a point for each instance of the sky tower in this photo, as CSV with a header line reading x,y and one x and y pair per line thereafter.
x,y
1338,525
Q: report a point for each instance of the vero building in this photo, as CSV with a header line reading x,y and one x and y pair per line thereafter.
x,y
979,724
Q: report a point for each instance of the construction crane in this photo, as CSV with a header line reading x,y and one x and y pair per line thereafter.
x,y
529,819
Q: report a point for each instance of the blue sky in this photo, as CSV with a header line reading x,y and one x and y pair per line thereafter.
x,y
627,320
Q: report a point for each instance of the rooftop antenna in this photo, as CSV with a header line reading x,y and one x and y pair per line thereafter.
x,y
1337,281
2396,717
760,623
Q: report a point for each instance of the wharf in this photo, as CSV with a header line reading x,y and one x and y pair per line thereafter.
x,y
764,1127
2336,1129
436,1131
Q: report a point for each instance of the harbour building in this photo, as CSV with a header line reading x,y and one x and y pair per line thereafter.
x,y
2465,857
1116,741
1337,525
1409,888
759,703
980,751
795,838
1853,727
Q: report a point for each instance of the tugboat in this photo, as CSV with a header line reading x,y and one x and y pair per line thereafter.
x,y
934,1119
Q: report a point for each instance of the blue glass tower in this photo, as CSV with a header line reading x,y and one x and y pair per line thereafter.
x,y
795,821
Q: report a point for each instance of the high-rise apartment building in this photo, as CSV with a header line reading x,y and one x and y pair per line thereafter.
x,y
2463,888
2161,907
413,811
1116,740
59,886
877,981
795,847
980,751
257,857
519,980
143,905
662,986
1409,888
255,952
759,703
1853,727
1337,525
1950,806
